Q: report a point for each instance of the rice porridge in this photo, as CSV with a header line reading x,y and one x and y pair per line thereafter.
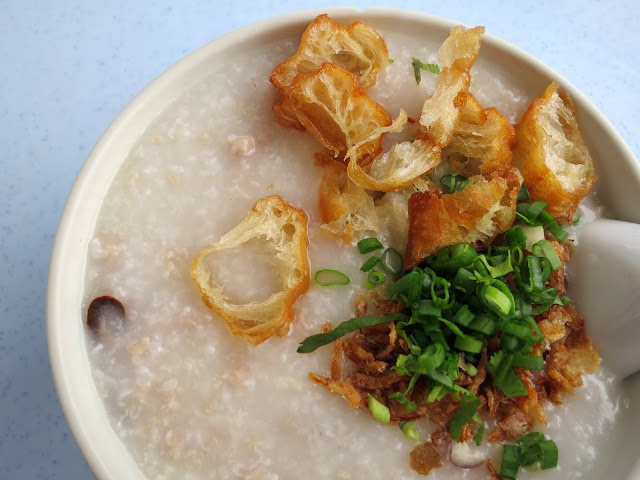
x,y
191,400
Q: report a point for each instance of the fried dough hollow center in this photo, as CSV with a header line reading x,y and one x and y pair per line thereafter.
x,y
284,229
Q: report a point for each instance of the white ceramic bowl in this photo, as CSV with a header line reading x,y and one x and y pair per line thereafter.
x,y
618,186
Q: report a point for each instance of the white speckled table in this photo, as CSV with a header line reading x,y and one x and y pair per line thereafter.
x,y
70,66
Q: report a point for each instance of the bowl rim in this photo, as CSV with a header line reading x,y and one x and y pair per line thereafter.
x,y
65,240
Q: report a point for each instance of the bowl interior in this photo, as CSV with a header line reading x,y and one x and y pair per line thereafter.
x,y
618,189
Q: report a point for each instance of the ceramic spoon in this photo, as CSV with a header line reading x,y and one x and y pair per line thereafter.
x,y
604,281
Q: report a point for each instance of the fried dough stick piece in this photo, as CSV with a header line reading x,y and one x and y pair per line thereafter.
x,y
334,108
284,228
557,167
481,142
357,48
474,215
407,161
348,211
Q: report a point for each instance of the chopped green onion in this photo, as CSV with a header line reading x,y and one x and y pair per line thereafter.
x,y
370,263
530,455
512,386
409,430
374,279
471,369
510,462
549,457
529,212
484,324
532,362
468,344
379,411
426,307
464,281
464,316
432,357
450,259
368,245
530,439
523,194
434,393
516,236
312,343
391,60
518,329
401,286
557,231
416,281
391,261
497,297
455,183
418,65
440,294
327,277
544,249
402,399
468,408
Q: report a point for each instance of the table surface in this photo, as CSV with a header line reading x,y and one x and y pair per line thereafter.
x,y
71,66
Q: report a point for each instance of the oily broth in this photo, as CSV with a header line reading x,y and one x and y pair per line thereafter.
x,y
191,400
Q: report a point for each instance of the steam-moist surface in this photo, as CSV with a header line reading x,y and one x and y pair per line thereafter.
x,y
190,400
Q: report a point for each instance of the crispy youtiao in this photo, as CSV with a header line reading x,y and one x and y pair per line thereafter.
x,y
396,169
474,215
358,48
557,167
482,140
345,207
441,112
409,160
283,227
332,106
348,210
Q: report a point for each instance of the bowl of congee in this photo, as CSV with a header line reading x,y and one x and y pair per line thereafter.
x,y
344,254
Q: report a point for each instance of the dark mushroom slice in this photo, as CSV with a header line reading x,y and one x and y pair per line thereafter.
x,y
105,315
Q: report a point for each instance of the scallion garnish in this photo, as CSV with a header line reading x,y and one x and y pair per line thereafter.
x,y
379,411
557,231
402,399
523,194
516,236
310,344
370,263
374,279
409,430
531,448
391,261
327,277
418,65
510,462
544,249
467,411
368,245
454,183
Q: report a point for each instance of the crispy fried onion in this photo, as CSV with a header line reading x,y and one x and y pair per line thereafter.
x,y
372,353
474,215
557,167
283,227
481,141
407,161
333,107
358,48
